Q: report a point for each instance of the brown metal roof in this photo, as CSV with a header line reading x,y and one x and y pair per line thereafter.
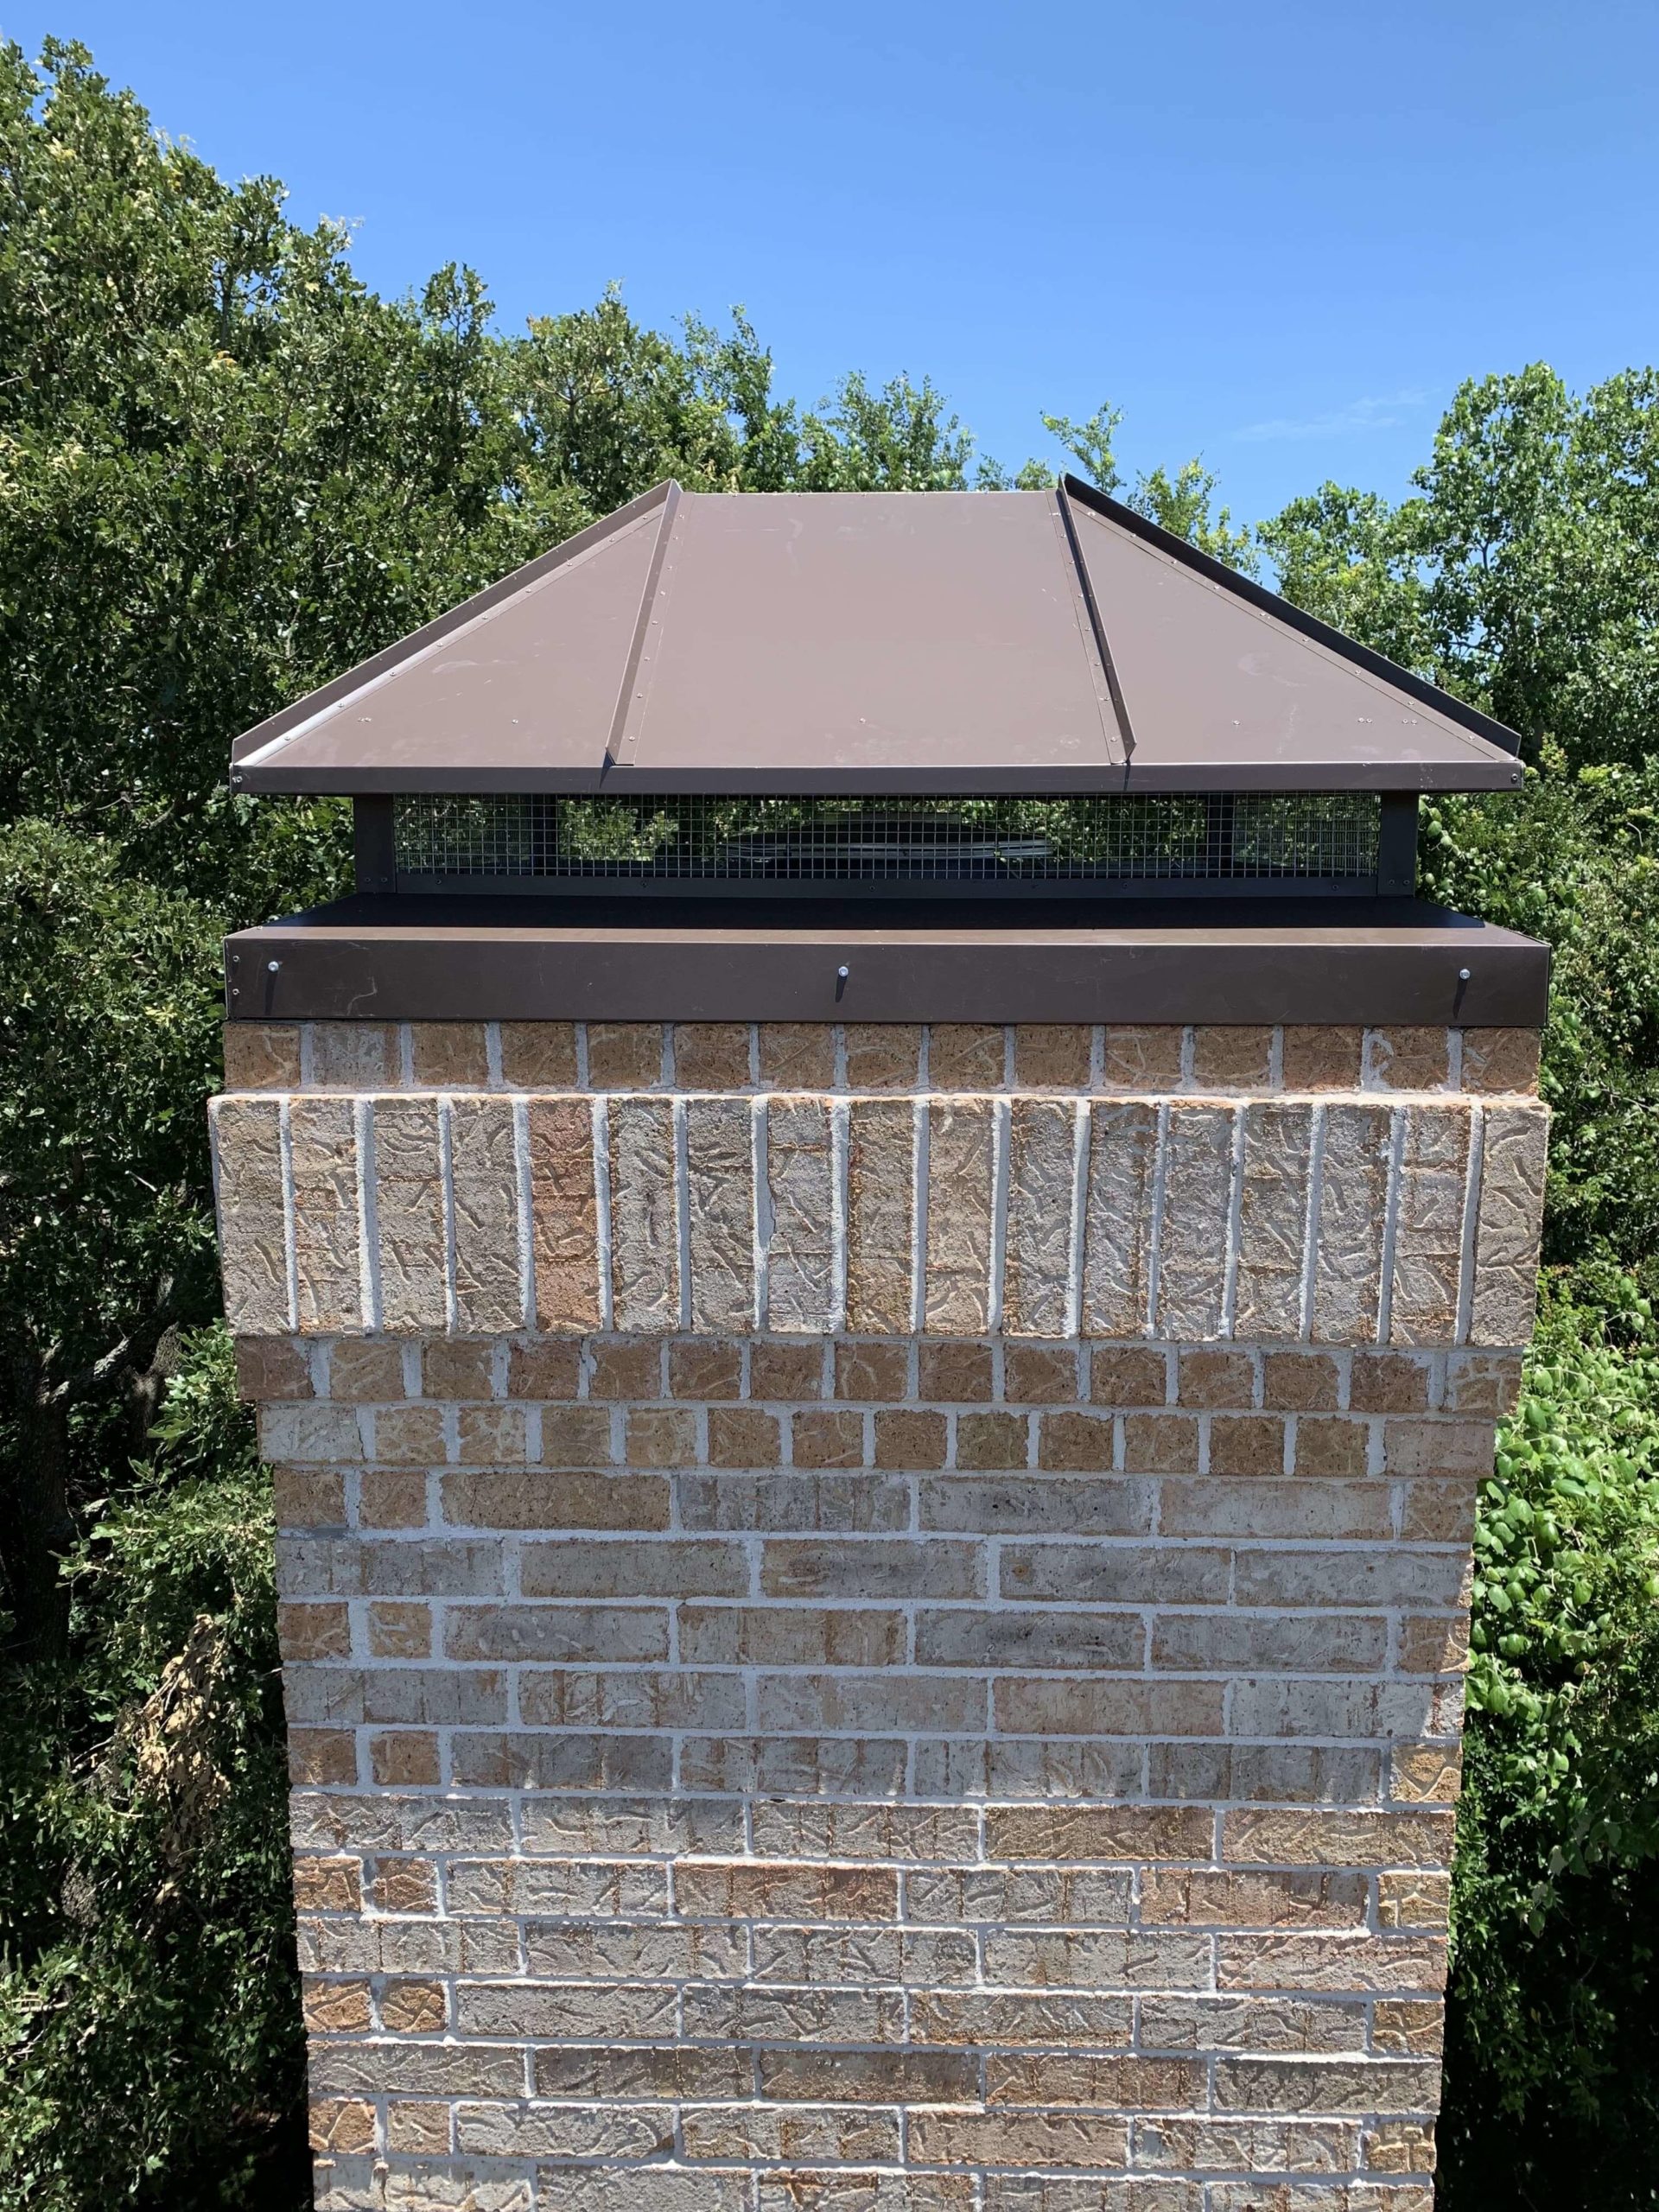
x,y
873,641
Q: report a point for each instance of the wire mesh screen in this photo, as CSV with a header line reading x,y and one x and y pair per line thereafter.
x,y
1228,836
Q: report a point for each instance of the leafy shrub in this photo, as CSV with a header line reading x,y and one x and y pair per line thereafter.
x,y
1552,2076
149,2021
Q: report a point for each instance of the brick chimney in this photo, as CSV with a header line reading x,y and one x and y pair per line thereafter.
x,y
872,1613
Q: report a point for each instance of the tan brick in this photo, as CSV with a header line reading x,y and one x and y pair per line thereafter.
x,y
1053,1056
1407,1059
798,1055
1145,1057
410,2007
539,1055
1437,1447
321,1755
328,1884
626,1368
389,1500
827,1438
1484,1383
1339,1963
1400,2146
536,1500
1429,1225
705,1369
1085,2141
910,1439
403,1886
1272,1219
1198,1195
1413,1900
878,1371
786,1371
491,1436
644,1216
1124,1834
1117,1219
410,1436
1018,1504
1072,1443
661,1436
576,1436
883,1055
960,1374
314,1631
1234,1057
403,1758
1127,2081
1160,1444
1321,1058
720,1192
1331,1446
400,1629
792,1636
1336,1838
366,1371
800,1261
966,1056
1128,1378
575,1567
1039,1374
334,2008
449,1055
1500,1060
1423,1774
1353,1207
409,1215
1042,1140
271,1367
342,2126
711,1055
993,1440
957,1289
252,1228
1247,1444
565,1224
1206,1379
1202,1896
455,1368
881,1214
743,1436
484,1182
1508,1223
1301,1381
625,1055
1389,1382
1433,1644
309,1497
309,1431
261,1056
354,1056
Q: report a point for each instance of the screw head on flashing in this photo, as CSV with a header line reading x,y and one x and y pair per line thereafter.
x,y
843,973
1463,975
271,966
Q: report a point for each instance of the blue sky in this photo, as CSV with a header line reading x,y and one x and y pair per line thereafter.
x,y
1275,233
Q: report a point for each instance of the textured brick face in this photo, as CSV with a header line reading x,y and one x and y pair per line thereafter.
x,y
873,1619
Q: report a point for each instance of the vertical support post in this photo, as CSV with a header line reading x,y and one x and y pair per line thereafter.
x,y
374,844
1220,820
1396,845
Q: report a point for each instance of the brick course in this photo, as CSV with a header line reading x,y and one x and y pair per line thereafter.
x,y
873,1618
